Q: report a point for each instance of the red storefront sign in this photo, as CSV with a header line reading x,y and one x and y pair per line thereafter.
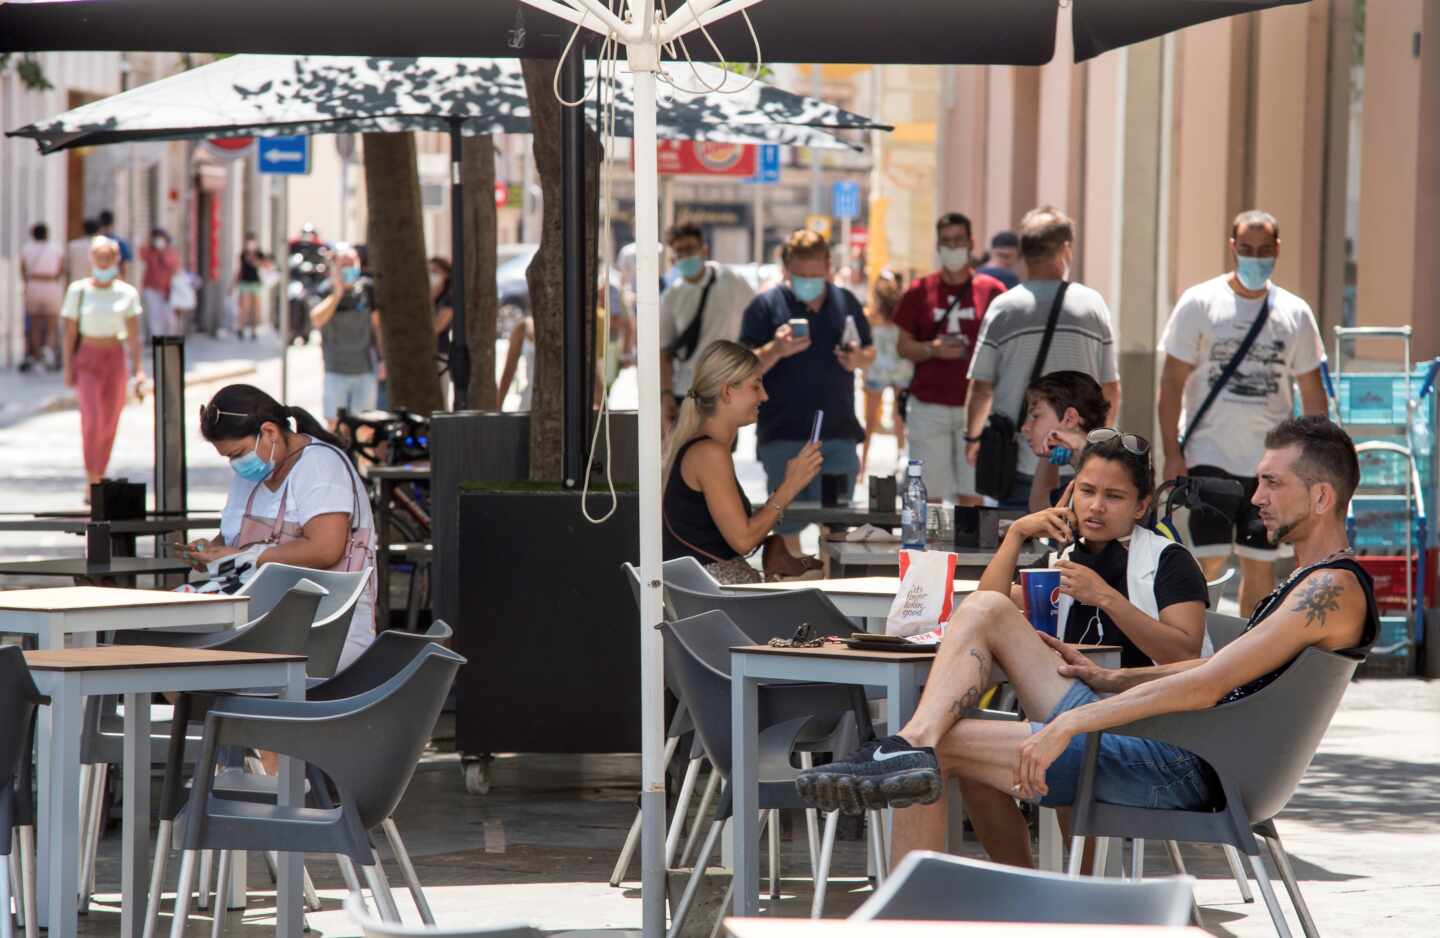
x,y
691,158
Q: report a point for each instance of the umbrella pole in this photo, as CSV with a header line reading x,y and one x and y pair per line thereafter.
x,y
459,349
579,373
644,61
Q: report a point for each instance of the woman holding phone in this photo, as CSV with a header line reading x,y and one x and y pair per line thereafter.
x,y
1120,584
293,490
707,515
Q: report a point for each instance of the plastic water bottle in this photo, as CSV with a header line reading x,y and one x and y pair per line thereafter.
x,y
1422,441
913,509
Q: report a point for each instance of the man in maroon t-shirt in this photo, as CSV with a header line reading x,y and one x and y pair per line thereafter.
x,y
939,319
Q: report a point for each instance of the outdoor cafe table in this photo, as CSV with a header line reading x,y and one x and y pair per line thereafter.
x,y
901,674
861,597
119,570
861,558
842,928
386,478
67,677
122,533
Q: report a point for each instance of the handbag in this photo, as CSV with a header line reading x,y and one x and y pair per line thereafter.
x,y
1228,372
999,449
182,290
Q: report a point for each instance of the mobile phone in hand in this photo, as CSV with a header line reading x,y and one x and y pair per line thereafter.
x,y
815,427
799,328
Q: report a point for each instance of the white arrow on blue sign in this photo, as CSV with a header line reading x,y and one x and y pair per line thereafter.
x,y
768,165
845,200
284,155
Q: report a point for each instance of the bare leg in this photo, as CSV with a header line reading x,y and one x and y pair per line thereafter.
x,y
986,628
873,401
998,823
899,421
1213,566
1257,579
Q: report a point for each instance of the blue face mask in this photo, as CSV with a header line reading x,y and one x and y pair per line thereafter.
x,y
807,288
1254,272
349,275
104,274
251,467
690,267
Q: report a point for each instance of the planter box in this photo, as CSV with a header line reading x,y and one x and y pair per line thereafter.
x,y
547,621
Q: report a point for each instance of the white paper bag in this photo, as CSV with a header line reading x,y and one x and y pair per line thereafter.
x,y
927,591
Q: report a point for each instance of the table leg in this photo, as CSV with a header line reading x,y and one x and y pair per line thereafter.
x,y
49,637
289,896
60,810
746,781
135,835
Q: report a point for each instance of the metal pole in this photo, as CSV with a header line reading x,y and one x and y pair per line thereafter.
x,y
644,61
817,207
579,373
279,230
459,350
757,220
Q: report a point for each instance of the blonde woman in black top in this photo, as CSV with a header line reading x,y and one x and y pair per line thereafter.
x,y
707,515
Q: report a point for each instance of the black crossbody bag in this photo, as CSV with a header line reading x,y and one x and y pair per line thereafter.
x,y
683,348
999,447
1228,372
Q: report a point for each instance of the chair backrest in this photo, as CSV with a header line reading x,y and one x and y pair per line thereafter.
x,y
18,699
390,653
374,928
763,616
439,631
273,580
1216,587
1223,629
688,573
940,887
283,630
694,650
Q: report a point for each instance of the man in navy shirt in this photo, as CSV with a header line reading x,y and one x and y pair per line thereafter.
x,y
808,368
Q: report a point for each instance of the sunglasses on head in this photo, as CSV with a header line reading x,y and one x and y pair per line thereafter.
x,y
1134,444
210,416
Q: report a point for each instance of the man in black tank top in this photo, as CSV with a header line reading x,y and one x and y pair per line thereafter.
x,y
1306,478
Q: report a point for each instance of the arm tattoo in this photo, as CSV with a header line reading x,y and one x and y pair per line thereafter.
x,y
1318,599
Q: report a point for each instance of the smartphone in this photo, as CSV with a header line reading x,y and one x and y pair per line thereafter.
x,y
181,547
815,427
878,638
800,328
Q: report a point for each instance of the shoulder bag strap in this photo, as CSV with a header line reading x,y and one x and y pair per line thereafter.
x,y
1044,353
684,346
1228,371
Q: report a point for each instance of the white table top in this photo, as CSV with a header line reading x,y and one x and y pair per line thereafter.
x,y
877,553
91,598
873,586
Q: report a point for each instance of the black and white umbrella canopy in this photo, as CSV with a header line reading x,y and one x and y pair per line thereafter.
x,y
284,94
908,32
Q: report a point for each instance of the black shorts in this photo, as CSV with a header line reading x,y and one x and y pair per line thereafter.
x,y
1213,535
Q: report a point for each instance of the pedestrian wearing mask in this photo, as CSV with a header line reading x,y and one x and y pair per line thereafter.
x,y
810,336
1233,345
161,264
349,323
701,306
939,318
101,316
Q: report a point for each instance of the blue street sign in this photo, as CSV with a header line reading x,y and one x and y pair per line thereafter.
x,y
768,165
285,155
845,200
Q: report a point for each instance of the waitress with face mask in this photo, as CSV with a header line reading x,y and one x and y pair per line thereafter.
x,y
293,490
101,314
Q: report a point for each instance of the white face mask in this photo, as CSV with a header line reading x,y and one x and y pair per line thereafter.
x,y
954,258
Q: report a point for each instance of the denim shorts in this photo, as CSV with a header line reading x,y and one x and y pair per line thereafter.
x,y
1132,772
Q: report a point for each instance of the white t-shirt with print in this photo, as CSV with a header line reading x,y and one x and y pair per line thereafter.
x,y
321,482
724,308
1205,330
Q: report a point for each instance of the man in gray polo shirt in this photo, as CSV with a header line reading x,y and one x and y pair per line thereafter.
x,y
1014,327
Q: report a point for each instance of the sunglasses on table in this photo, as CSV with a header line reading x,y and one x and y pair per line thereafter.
x,y
1134,444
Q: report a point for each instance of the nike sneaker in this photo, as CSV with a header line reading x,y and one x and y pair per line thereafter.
x,y
887,773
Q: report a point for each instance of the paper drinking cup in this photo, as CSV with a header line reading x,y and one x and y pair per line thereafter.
x,y
1042,597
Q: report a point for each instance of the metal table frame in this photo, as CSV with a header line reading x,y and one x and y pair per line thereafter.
x,y
59,806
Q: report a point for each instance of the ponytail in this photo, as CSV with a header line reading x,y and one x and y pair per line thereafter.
x,y
306,423
724,364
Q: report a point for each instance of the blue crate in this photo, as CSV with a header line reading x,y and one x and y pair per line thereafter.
x,y
1381,525
1379,469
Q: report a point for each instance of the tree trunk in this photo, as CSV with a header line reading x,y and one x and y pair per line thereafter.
x,y
482,298
545,274
398,264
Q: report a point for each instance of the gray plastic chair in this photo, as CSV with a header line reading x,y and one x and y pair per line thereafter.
x,y
374,928
697,662
394,719
939,887
332,619
1259,748
1223,629
764,616
1216,587
19,700
688,573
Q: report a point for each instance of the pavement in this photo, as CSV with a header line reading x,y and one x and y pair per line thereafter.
x,y
540,845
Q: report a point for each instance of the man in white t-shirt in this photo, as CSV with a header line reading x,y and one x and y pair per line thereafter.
x,y
1205,331
688,328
